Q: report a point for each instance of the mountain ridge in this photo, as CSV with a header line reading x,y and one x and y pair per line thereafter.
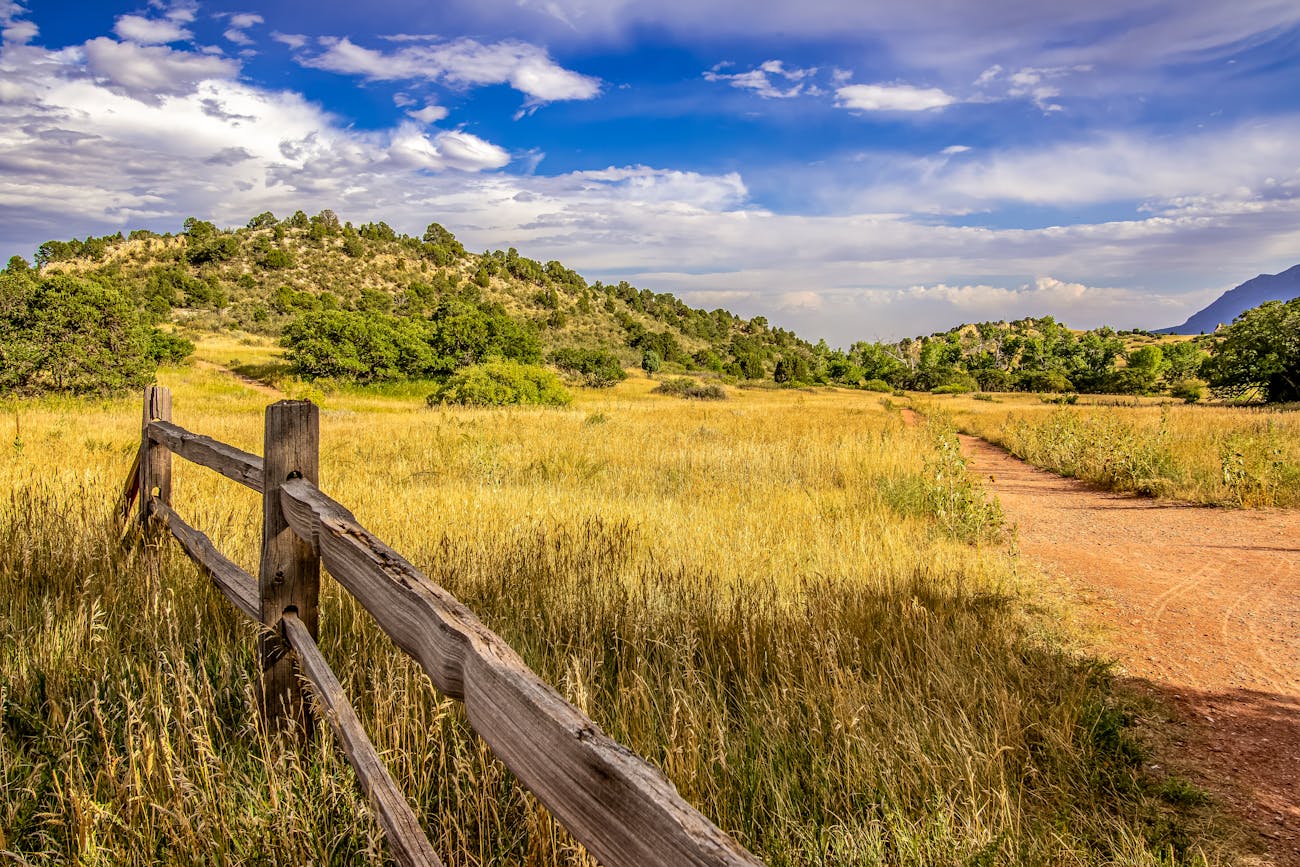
x,y
1282,286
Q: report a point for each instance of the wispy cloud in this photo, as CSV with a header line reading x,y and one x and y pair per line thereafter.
x,y
762,79
461,62
892,97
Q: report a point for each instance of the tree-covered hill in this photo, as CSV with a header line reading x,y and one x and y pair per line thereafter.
x,y
270,274
365,303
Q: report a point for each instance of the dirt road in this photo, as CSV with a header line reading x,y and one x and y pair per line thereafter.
x,y
1200,605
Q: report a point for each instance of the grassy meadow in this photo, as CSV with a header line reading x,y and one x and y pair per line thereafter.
x,y
798,607
1212,454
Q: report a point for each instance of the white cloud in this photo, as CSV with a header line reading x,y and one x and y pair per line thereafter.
x,y
19,32
953,150
411,148
429,114
245,20
527,68
760,80
149,31
293,40
891,97
149,71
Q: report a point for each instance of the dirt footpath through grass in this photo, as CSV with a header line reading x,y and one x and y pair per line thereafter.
x,y
1199,605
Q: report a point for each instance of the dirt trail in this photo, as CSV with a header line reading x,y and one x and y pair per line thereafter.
x,y
255,384
1200,605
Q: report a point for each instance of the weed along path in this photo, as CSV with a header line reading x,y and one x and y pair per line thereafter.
x,y
1200,605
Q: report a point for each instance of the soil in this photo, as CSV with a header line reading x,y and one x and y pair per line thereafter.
x,y
1200,606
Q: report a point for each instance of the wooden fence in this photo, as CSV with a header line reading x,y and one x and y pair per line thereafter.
x,y
623,810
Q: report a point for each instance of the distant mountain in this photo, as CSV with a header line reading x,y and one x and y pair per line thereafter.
x,y
1234,302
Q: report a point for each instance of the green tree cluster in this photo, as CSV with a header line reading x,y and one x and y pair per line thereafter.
x,y
77,335
1259,354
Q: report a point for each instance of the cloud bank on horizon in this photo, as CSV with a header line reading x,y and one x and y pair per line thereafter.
x,y
852,172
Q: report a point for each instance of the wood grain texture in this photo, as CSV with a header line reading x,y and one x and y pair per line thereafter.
x,y
289,574
623,810
239,587
156,462
132,486
231,462
406,839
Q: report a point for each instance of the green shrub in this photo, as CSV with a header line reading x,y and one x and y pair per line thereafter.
x,y
276,258
684,386
598,368
1060,399
1189,391
76,335
877,385
169,348
651,362
502,383
356,346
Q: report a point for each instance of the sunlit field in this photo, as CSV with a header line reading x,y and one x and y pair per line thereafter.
x,y
798,607
1217,455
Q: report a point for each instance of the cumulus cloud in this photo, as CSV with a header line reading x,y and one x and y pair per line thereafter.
x,y
19,32
293,40
429,114
761,79
150,31
151,71
891,97
461,62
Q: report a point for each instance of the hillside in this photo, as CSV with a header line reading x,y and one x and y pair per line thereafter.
x,y
1234,302
261,277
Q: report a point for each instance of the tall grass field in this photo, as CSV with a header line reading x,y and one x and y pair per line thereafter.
x,y
1215,455
799,608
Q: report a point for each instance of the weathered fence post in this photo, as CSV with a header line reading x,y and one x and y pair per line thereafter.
x,y
155,458
289,576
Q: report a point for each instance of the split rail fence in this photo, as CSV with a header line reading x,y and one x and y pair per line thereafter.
x,y
623,810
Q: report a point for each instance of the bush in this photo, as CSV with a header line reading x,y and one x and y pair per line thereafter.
x,y
169,348
877,385
276,258
355,346
76,335
684,386
598,368
1190,391
502,383
651,362
1060,399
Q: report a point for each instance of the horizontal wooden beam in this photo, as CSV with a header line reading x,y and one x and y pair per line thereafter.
x,y
622,809
239,587
406,839
231,462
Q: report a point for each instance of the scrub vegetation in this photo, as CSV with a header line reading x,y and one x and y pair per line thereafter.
x,y
797,606
1216,455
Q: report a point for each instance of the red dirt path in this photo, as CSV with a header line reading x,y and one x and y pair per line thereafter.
x,y
1201,605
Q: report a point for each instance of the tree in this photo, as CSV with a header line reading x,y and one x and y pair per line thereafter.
x,y
650,361
357,346
264,220
1259,354
1145,366
77,335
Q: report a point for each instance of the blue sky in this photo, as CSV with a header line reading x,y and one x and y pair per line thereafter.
x,y
854,170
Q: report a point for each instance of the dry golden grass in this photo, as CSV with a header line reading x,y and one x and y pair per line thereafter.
x,y
1218,455
792,603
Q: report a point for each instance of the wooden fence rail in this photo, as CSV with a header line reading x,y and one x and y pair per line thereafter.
x,y
622,809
